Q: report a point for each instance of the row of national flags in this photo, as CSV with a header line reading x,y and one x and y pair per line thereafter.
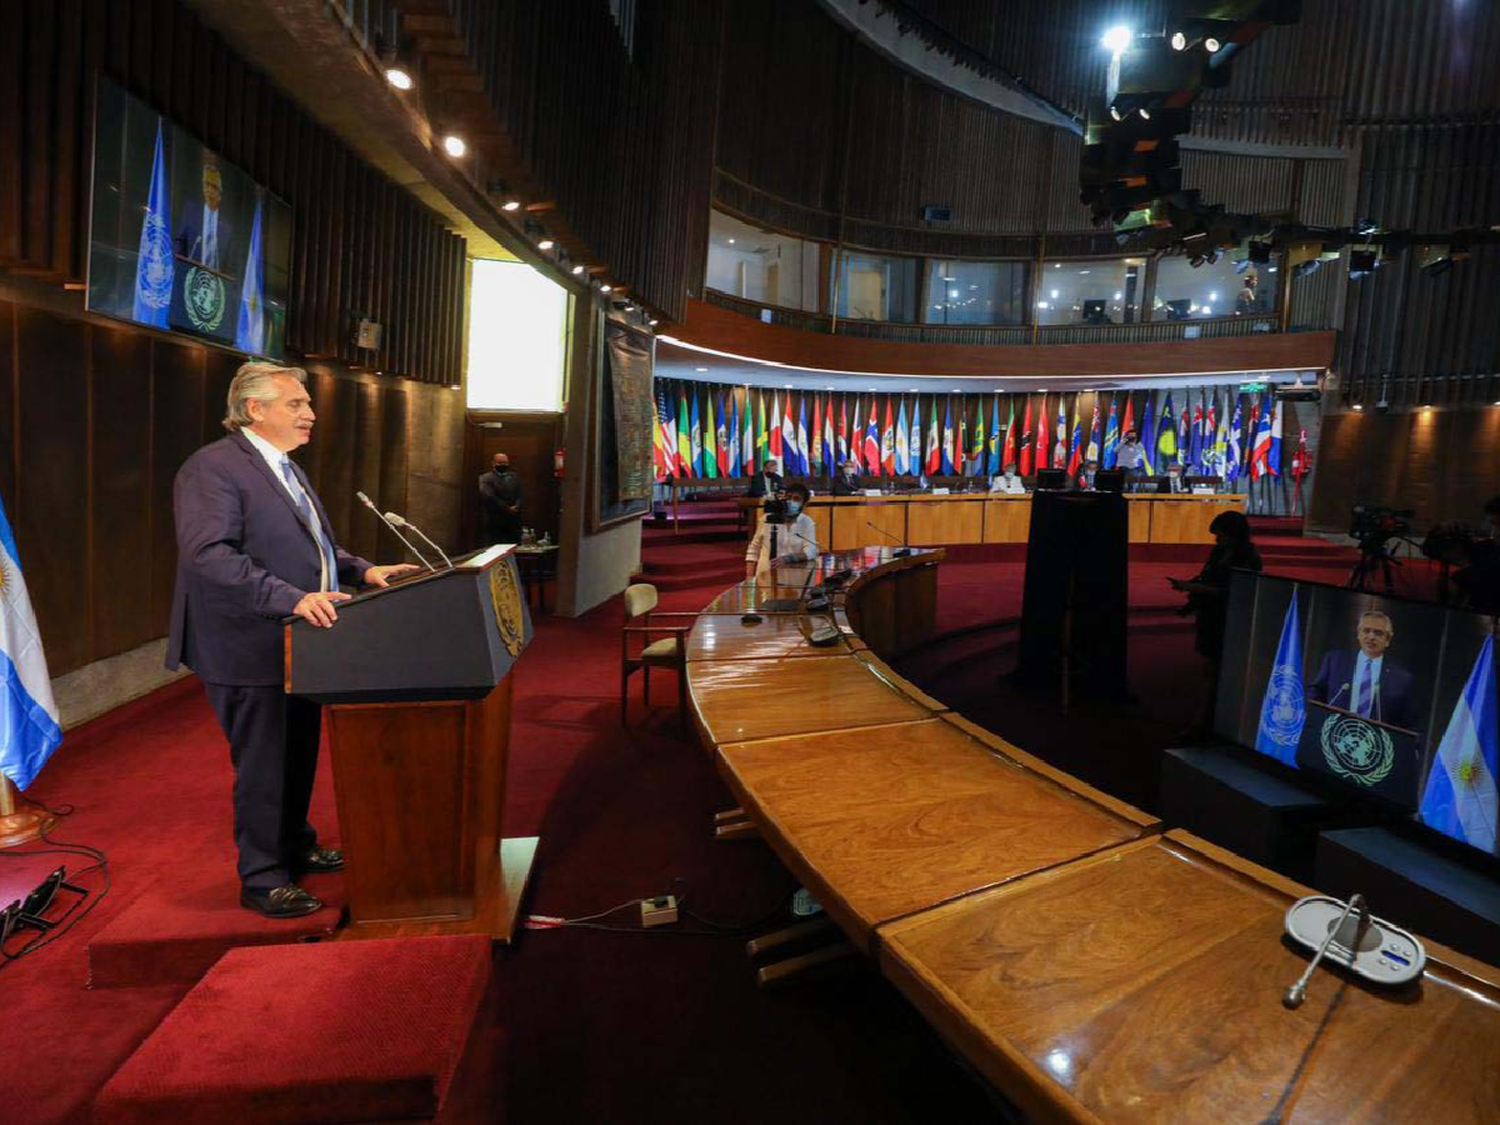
x,y
708,431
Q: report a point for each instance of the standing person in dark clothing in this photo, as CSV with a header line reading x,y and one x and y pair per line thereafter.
x,y
500,502
1208,601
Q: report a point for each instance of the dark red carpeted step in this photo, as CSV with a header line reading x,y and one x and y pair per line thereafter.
x,y
339,1031
173,935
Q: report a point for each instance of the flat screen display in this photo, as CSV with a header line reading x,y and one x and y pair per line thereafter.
x,y
1392,698
181,239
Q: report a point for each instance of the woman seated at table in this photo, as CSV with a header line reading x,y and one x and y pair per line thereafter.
x,y
796,539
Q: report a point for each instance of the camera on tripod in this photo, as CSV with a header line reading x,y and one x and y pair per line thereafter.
x,y
775,510
1374,525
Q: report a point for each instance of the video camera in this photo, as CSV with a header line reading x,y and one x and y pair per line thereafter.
x,y
775,510
1373,525
1449,542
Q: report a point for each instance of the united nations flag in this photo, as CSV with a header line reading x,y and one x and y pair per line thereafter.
x,y
154,268
1284,708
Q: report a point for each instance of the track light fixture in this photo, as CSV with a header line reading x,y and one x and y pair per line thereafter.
x,y
454,145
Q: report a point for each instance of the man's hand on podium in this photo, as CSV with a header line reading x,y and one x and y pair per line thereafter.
x,y
381,575
317,608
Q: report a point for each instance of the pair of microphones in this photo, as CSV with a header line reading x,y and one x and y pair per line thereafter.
x,y
395,521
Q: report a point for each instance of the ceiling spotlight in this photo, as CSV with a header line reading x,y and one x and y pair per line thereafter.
x,y
454,145
545,244
700,369
1359,406
731,242
1179,41
1212,45
1118,38
653,323
578,269
511,205
399,77
606,287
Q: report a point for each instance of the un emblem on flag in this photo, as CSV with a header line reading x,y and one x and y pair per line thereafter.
x,y
1281,718
1357,750
203,298
154,276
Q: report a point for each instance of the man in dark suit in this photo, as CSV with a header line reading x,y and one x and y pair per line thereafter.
x,y
847,482
205,236
1365,681
767,482
254,545
500,502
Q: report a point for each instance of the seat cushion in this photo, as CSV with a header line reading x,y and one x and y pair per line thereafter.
x,y
663,651
340,1031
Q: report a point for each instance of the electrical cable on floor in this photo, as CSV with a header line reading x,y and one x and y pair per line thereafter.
x,y
713,927
73,915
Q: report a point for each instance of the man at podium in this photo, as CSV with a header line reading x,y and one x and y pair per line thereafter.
x,y
254,545
1364,680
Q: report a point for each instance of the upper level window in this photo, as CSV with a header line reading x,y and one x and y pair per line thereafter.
x,y
975,292
758,265
873,287
1223,288
1097,291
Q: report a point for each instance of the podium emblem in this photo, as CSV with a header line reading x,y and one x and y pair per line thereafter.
x,y
505,596
1357,749
203,298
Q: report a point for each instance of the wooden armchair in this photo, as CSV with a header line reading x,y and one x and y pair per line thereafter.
x,y
669,651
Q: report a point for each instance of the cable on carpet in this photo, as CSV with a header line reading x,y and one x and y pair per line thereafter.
x,y
710,927
73,915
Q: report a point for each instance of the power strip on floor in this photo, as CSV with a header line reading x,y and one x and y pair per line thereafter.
x,y
659,911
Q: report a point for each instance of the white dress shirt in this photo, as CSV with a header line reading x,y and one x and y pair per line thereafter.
x,y
273,458
798,538
208,252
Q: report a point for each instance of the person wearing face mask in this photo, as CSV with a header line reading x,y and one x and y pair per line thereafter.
x,y
500,502
796,539
1008,483
847,482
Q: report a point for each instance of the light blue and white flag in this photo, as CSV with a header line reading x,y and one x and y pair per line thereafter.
x,y
28,716
1284,707
250,333
154,264
1460,799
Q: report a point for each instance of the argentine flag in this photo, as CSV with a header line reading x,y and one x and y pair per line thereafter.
x,y
250,332
28,716
1460,800
1284,706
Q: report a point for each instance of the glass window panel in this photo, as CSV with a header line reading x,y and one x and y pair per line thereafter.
x,y
872,287
1098,291
975,293
518,338
758,265
1223,288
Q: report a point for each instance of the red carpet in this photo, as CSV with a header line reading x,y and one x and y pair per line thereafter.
x,y
590,1025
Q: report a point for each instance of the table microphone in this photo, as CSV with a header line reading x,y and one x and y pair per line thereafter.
x,y
397,520
903,552
1294,995
366,501
1334,701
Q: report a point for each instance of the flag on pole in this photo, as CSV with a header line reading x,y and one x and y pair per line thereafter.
x,y
843,428
250,332
872,438
658,440
1195,435
888,441
976,458
1260,449
1024,461
1166,441
961,441
947,462
934,440
1094,435
1283,708
697,447
1273,457
1127,420
1041,447
1232,455
1008,451
914,450
29,727
857,438
773,429
1460,798
789,449
721,442
762,436
1075,451
1211,462
829,451
1148,435
993,467
684,435
804,462
1111,438
1060,435
154,261
903,441
710,441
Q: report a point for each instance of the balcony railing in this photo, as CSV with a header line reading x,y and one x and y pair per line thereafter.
x,y
1152,332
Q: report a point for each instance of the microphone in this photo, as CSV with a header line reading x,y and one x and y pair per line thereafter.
x,y
1336,695
396,520
903,552
365,500
1297,992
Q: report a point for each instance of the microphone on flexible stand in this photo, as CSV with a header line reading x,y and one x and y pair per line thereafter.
x,y
903,552
1332,702
395,519
1296,993
366,501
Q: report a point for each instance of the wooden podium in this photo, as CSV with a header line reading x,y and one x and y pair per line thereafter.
x,y
416,679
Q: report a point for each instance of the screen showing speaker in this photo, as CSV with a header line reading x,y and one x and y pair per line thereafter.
x,y
181,239
1394,699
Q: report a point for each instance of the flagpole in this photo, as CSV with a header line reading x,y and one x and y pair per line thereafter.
x,y
20,824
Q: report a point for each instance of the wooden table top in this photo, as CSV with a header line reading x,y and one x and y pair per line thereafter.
x,y
1145,983
882,821
752,595
776,635
739,700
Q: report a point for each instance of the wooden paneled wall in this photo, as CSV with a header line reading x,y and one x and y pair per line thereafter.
x,y
95,420
361,244
1443,463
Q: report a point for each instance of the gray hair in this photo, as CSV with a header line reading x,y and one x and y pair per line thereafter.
x,y
255,381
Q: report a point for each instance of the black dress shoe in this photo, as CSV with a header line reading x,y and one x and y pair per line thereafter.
x,y
290,901
319,859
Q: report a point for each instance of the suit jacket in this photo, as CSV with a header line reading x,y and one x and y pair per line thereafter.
x,y
1395,700
189,240
842,486
758,483
500,498
245,558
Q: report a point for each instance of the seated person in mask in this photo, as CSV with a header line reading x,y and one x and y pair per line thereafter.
x,y
847,482
796,540
1007,482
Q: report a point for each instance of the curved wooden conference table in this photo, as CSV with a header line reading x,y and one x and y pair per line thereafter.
x,y
1091,966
